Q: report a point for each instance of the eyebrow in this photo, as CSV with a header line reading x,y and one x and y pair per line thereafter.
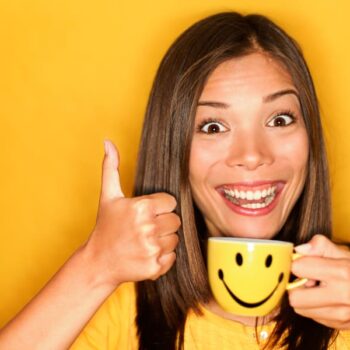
x,y
268,98
275,95
214,104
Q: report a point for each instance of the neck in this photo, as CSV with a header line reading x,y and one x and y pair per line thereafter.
x,y
245,320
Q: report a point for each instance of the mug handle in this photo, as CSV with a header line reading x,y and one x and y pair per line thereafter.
x,y
299,281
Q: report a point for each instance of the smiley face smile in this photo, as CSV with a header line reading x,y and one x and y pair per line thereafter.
x,y
242,302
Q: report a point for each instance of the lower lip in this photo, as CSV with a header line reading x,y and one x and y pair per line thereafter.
x,y
253,212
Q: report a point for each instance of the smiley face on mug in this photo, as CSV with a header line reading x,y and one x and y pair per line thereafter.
x,y
248,278
240,261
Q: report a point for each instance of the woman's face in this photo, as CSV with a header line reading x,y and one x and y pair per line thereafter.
x,y
249,150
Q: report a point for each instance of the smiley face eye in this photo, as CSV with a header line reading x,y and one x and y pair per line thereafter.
x,y
268,260
239,259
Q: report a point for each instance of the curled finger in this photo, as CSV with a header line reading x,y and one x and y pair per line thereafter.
x,y
334,317
166,261
167,223
168,243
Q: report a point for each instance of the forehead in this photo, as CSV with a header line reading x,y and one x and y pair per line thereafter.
x,y
253,74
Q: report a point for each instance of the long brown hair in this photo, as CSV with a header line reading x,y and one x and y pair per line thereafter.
x,y
163,165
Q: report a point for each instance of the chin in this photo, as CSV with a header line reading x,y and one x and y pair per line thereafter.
x,y
258,232
256,235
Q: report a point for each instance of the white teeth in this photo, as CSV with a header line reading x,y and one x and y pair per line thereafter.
x,y
269,200
267,195
257,195
254,205
251,195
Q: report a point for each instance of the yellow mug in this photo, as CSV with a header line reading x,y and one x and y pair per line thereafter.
x,y
249,276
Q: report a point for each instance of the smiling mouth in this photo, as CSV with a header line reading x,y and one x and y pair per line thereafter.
x,y
252,196
252,199
244,303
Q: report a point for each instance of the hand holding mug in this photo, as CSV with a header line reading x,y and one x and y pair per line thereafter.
x,y
328,301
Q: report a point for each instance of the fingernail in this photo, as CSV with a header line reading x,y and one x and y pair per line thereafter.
x,y
106,146
110,152
303,248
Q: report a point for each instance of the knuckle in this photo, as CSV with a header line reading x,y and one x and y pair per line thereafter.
x,y
156,252
152,250
155,269
320,240
148,249
167,263
143,205
148,230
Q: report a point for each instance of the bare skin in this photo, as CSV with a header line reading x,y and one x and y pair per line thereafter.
x,y
134,239
327,303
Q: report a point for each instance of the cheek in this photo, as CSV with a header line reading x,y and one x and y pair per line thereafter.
x,y
197,169
202,159
300,155
295,151
206,154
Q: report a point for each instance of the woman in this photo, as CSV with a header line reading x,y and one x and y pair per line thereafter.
x,y
232,131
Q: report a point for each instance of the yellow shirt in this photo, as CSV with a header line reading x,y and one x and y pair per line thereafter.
x,y
113,328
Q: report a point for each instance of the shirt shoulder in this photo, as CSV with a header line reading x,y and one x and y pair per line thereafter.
x,y
113,325
342,341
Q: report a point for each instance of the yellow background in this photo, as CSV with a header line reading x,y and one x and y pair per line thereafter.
x,y
74,72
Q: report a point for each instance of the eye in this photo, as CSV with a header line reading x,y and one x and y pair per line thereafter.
x,y
239,259
211,127
282,119
268,260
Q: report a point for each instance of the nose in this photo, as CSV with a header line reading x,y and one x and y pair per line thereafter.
x,y
250,150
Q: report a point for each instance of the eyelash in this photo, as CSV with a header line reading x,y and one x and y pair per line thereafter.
x,y
288,113
206,121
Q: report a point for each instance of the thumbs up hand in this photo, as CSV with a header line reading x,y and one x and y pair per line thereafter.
x,y
134,238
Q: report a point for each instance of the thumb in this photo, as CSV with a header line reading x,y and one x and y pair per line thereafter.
x,y
111,188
